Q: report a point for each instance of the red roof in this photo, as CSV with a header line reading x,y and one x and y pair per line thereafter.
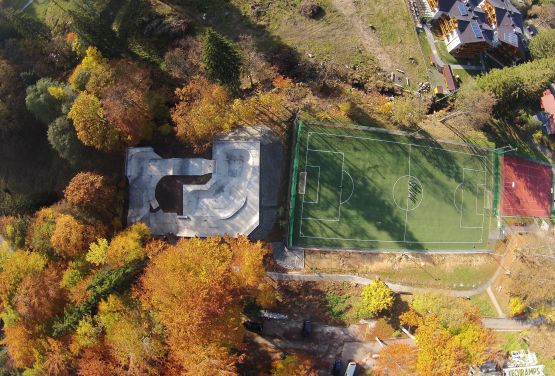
x,y
548,105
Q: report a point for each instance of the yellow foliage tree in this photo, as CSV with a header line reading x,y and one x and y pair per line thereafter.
x,y
71,238
92,59
90,123
128,245
201,112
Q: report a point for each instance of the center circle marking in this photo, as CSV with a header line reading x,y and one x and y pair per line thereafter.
x,y
401,192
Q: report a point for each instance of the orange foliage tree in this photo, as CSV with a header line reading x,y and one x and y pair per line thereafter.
x,y
91,192
40,297
397,359
71,238
196,284
201,112
125,102
21,345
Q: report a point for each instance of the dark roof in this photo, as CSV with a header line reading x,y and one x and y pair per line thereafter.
x,y
468,13
449,78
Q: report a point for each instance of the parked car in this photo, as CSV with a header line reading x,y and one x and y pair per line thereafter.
x,y
307,328
337,367
253,326
351,369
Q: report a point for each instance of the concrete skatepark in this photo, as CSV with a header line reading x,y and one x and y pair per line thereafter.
x,y
227,204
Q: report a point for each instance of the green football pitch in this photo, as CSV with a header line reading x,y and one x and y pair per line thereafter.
x,y
361,189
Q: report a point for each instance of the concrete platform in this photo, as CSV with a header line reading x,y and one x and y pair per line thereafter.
x,y
229,203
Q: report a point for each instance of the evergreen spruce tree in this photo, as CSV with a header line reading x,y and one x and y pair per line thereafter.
x,y
222,60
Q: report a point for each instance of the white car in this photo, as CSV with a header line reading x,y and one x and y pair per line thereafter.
x,y
351,369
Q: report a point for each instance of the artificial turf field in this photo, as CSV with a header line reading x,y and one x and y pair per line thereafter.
x,y
362,189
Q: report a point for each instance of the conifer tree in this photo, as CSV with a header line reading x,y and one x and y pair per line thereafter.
x,y
221,60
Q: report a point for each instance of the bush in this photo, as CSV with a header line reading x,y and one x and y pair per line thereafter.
x,y
337,305
310,10
517,306
377,297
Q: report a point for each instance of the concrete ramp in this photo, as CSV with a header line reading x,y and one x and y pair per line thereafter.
x,y
227,204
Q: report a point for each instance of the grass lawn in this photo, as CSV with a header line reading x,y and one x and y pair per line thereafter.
x,y
426,49
466,75
370,190
459,278
396,31
503,133
484,303
450,59
510,341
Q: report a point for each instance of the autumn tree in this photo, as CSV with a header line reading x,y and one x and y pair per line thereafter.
x,y
128,246
201,112
125,103
533,272
397,360
377,297
183,61
21,344
544,13
98,252
449,334
57,358
440,354
294,365
204,274
90,123
40,297
221,60
70,237
14,268
452,312
129,335
41,229
96,361
91,192
474,105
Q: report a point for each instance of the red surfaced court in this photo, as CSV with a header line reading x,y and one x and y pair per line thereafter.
x,y
526,188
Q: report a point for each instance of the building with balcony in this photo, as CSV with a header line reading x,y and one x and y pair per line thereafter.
x,y
470,27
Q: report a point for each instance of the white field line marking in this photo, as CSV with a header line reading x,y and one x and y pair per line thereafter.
x,y
396,142
309,202
352,190
377,240
317,188
462,203
407,206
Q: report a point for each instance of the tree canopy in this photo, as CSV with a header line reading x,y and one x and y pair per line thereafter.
x,y
221,60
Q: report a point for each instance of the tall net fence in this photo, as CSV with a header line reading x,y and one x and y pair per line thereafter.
x,y
496,182
294,177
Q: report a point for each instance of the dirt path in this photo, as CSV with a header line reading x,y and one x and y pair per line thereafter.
x,y
368,38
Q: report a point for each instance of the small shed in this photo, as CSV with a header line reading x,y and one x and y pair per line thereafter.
x,y
452,83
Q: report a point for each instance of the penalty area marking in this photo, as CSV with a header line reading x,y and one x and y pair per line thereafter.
x,y
484,159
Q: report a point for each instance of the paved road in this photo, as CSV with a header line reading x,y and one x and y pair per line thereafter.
x,y
505,325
